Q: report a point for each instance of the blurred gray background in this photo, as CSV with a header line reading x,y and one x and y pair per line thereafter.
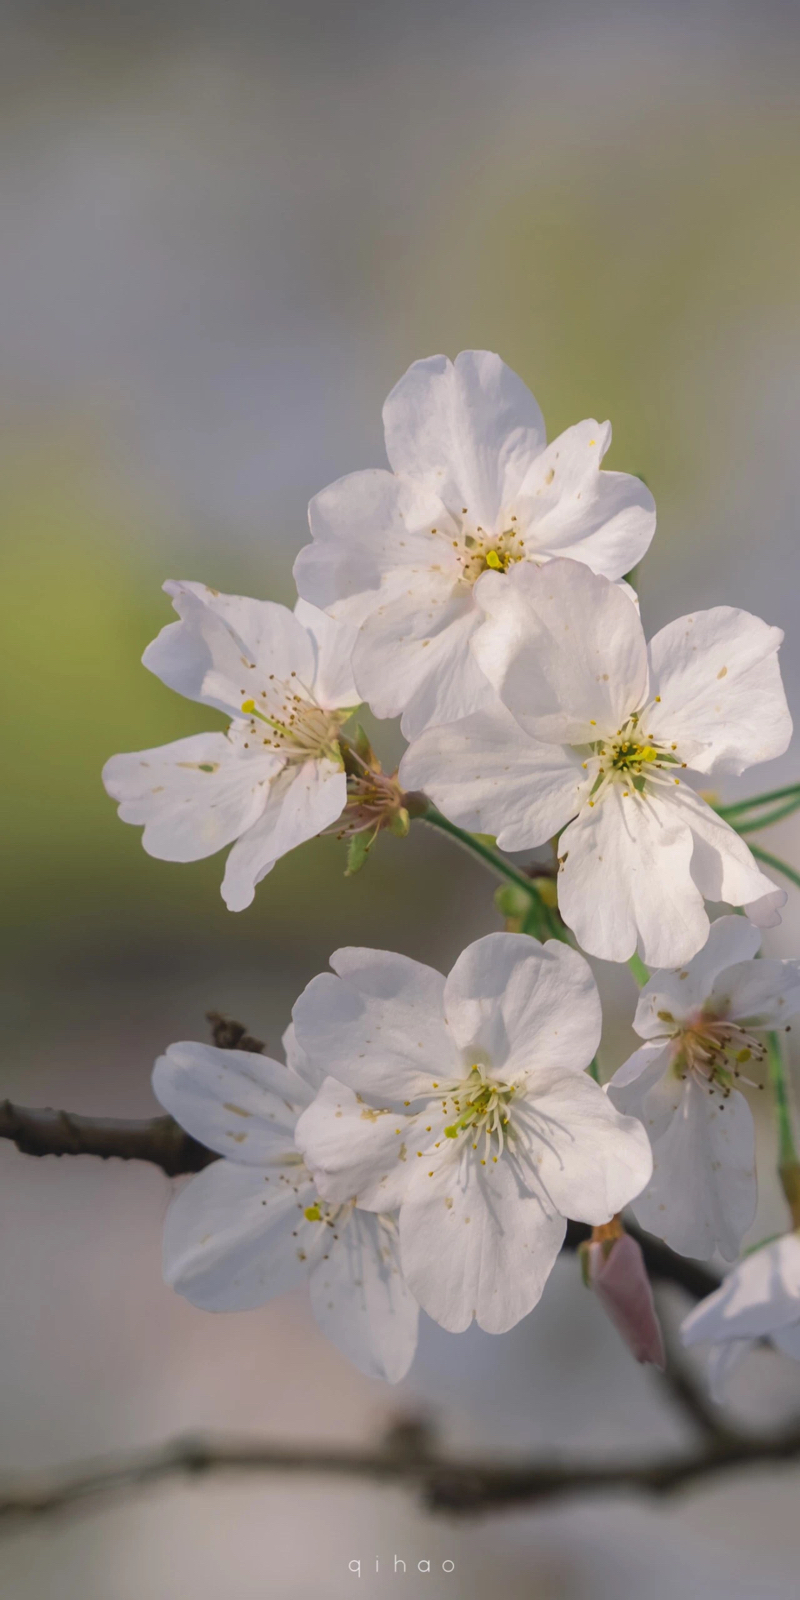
x,y
227,230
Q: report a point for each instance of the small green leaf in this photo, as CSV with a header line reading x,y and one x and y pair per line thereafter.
x,y
400,823
363,748
357,851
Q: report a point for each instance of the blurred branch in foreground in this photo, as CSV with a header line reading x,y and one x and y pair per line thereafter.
x,y
407,1456
161,1141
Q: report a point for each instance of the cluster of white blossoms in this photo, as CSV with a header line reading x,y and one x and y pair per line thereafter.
x,y
429,1137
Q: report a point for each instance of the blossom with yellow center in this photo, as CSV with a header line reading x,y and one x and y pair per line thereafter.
x,y
465,1102
474,491
704,1030
591,739
276,777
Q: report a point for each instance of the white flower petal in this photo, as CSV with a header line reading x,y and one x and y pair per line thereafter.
x,y
680,995
722,1363
488,776
361,1302
220,640
475,1243
333,682
236,1236
787,1340
722,865
356,1151
758,994
719,681
590,1160
702,1196
765,912
653,1054
378,1025
570,508
563,648
299,1061
470,428
524,1007
193,796
413,655
236,1102
759,1297
626,879
302,801
368,528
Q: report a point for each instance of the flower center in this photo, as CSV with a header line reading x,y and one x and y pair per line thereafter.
x,y
714,1052
481,552
285,717
630,758
481,1105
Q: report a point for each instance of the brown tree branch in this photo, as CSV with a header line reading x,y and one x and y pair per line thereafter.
x,y
161,1141
459,1486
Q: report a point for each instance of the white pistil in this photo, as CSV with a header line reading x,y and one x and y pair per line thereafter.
x,y
299,727
714,1051
632,759
480,552
481,1105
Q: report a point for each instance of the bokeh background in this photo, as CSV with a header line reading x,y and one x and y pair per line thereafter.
x,y
227,230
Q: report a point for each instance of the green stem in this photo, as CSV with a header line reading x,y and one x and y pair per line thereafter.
x,y
752,824
639,970
738,806
787,1153
788,1166
776,863
497,864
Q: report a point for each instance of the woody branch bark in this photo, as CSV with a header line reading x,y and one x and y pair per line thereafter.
x,y
163,1143
458,1486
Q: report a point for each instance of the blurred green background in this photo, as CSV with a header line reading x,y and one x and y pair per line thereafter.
x,y
227,232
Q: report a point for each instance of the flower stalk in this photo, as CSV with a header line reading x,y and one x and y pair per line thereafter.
x,y
541,920
788,1164
639,970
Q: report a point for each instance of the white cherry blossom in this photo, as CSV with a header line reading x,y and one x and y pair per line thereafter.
x,y
760,1299
473,488
592,742
702,1027
252,1225
464,1101
275,778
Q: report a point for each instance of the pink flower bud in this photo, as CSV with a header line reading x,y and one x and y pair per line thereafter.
x,y
619,1278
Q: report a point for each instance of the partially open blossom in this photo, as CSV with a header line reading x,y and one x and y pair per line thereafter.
x,y
465,1103
253,1224
703,1028
276,776
593,741
614,1267
760,1299
474,489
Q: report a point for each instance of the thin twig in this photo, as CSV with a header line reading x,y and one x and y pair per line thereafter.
x,y
689,1392
454,1485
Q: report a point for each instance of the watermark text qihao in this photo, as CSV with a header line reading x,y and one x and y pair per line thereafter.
x,y
357,1566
